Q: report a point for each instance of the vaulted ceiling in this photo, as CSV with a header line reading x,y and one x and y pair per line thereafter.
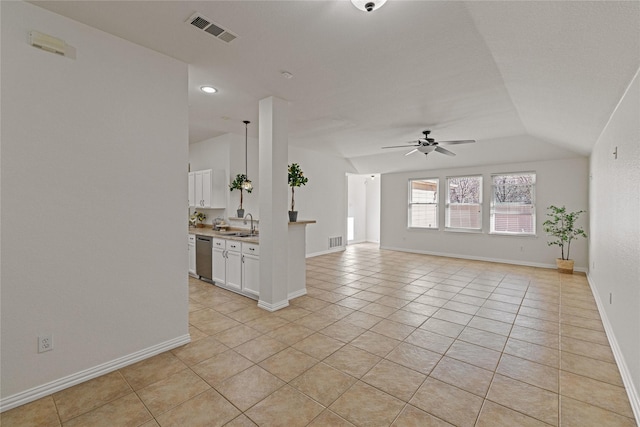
x,y
527,80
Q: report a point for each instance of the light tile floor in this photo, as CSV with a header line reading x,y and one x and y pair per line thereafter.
x,y
382,338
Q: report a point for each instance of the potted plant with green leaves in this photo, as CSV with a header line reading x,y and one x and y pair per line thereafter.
x,y
296,179
197,218
239,184
561,225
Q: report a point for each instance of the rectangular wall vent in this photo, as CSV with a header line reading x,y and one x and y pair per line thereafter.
x,y
207,25
335,242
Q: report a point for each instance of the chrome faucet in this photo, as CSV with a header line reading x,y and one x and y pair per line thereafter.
x,y
252,229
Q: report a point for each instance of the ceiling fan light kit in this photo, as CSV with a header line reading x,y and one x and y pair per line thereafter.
x,y
428,145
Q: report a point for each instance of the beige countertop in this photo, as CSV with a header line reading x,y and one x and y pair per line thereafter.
x,y
208,231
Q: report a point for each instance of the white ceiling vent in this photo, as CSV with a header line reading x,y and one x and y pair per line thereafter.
x,y
205,24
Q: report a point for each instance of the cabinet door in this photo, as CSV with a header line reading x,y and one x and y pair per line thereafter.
x,y
198,190
219,265
234,270
191,244
206,188
251,274
192,189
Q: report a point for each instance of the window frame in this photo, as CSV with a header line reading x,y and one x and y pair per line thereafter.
x,y
410,203
447,204
533,202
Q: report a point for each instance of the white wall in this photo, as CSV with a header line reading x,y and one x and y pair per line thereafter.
x,y
615,234
94,155
559,182
373,208
324,198
226,152
357,206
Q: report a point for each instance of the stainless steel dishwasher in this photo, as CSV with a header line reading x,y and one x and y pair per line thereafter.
x,y
203,257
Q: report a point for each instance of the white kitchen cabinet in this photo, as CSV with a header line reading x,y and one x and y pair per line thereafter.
x,y
192,189
192,254
251,269
234,265
219,261
227,263
208,189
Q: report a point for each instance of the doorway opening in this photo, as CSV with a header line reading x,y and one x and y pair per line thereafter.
x,y
363,208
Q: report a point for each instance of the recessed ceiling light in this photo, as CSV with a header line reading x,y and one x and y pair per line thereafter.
x,y
208,89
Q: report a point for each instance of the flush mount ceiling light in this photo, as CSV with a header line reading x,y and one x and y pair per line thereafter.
x,y
368,5
208,89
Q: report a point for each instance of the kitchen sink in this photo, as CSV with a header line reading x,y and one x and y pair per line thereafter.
x,y
238,234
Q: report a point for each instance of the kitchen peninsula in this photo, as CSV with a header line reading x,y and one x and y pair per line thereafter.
x,y
235,259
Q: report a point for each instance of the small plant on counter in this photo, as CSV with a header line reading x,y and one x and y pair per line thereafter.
x,y
238,184
561,226
296,179
198,217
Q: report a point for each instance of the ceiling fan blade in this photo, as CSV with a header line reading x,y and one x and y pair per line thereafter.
x,y
444,151
399,146
412,151
461,141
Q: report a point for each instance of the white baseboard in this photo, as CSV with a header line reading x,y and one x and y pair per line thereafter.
x,y
627,379
297,293
330,251
273,307
38,392
478,258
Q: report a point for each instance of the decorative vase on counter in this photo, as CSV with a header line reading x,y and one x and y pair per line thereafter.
x,y
293,216
240,213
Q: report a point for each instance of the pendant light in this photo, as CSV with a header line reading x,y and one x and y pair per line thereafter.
x,y
246,185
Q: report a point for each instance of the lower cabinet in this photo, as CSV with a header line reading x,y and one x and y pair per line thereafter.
x,y
234,265
251,269
192,254
229,262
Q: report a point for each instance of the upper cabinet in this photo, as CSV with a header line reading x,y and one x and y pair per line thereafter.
x,y
207,189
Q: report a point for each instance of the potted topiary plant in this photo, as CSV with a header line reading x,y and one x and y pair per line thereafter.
x,y
238,184
296,179
562,226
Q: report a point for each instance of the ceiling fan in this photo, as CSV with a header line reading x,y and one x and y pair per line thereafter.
x,y
427,145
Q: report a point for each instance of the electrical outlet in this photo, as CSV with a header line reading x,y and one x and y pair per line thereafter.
x,y
45,343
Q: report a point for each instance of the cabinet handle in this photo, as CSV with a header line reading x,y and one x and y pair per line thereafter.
x,y
243,259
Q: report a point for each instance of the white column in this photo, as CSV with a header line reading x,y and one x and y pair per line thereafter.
x,y
273,155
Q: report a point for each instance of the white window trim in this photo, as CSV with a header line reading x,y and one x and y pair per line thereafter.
x,y
481,203
535,212
409,203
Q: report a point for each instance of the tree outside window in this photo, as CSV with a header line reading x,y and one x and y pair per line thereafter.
x,y
464,203
513,203
423,203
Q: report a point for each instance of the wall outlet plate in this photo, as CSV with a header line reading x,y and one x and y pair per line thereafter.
x,y
45,343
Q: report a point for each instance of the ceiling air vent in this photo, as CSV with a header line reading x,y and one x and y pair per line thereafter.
x,y
207,25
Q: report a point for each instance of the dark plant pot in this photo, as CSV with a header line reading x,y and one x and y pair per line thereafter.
x,y
240,213
293,216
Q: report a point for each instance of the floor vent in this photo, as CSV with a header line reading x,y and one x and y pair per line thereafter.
x,y
207,25
335,242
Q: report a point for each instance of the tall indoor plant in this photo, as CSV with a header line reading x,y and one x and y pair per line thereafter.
x,y
296,179
238,184
561,225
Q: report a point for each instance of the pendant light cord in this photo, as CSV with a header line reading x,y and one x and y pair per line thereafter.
x,y
246,169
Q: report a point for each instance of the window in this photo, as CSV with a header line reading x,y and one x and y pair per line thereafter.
x,y
513,209
464,203
423,203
